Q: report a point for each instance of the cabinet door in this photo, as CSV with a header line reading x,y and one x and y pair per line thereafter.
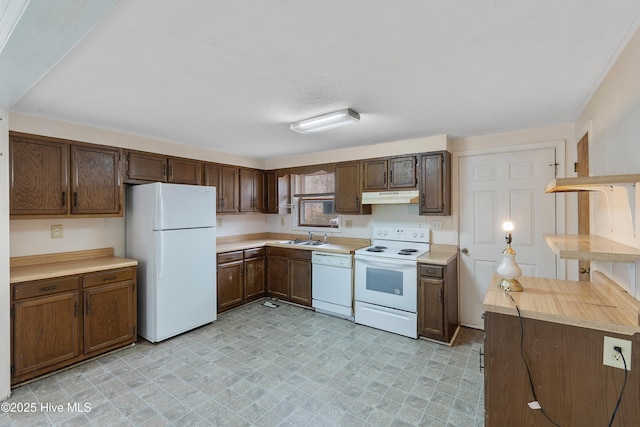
x,y
254,283
435,186
109,316
402,172
38,176
258,191
95,180
228,190
431,303
375,174
246,190
184,171
278,277
271,192
46,333
230,285
225,179
300,281
349,189
146,167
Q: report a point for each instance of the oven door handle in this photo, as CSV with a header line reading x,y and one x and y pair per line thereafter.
x,y
394,262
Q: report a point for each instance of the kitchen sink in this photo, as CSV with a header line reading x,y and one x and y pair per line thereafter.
x,y
301,242
312,243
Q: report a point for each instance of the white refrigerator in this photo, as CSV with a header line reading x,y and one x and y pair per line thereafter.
x,y
170,230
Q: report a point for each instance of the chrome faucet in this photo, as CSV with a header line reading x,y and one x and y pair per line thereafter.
x,y
310,235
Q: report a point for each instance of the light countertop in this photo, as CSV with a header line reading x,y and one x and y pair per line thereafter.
x,y
25,269
601,304
345,248
439,255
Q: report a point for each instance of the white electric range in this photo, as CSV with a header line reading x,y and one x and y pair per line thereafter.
x,y
386,279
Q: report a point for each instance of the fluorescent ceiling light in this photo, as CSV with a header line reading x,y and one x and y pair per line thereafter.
x,y
326,121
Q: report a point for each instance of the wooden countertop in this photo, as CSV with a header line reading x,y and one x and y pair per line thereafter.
x,y
601,304
590,247
37,267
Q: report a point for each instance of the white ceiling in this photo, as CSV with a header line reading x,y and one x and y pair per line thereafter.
x,y
231,75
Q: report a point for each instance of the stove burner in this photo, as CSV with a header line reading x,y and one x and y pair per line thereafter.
x,y
408,250
380,247
403,252
375,249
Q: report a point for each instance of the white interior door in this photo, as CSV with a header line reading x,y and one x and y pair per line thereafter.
x,y
495,188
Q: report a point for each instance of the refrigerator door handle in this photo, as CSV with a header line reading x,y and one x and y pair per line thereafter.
x,y
160,255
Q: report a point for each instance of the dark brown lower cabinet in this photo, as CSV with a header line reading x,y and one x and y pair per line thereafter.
x,y
241,277
254,274
46,334
60,321
571,382
438,300
289,275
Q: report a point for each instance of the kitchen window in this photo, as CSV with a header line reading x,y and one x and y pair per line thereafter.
x,y
314,201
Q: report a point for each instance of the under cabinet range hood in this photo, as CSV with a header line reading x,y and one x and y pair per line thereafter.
x,y
390,197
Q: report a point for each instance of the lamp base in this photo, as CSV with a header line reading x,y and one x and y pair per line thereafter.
x,y
510,285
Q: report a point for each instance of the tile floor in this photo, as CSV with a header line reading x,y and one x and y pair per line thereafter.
x,y
260,366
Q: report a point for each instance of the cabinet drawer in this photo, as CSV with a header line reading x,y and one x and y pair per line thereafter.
x,y
250,253
431,270
105,277
229,257
45,287
301,254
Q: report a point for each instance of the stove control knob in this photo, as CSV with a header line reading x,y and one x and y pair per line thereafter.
x,y
415,234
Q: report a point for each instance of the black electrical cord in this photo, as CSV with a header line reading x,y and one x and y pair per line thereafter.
x,y
624,384
533,390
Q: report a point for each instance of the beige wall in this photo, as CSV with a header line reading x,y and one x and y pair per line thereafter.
x,y
39,126
612,119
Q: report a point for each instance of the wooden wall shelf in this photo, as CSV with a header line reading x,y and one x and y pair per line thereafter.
x,y
590,183
591,248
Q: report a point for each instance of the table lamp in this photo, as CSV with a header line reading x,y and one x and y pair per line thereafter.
x,y
508,268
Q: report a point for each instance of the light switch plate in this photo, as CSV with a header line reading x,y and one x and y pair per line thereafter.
x,y
56,231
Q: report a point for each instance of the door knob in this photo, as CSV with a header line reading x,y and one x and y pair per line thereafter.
x,y
465,251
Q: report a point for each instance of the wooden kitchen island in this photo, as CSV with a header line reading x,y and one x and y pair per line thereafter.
x,y
564,323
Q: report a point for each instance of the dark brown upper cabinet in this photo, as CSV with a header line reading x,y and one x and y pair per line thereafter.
x,y
143,167
348,192
95,180
225,179
435,183
184,171
39,185
38,171
251,190
392,173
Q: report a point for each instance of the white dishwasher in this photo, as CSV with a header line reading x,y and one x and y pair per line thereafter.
x,y
332,283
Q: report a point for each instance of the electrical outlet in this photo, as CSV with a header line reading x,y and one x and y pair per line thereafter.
x,y
436,225
610,357
56,231
282,221
348,223
219,221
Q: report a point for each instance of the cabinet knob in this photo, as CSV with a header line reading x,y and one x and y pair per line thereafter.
x,y
585,270
465,251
